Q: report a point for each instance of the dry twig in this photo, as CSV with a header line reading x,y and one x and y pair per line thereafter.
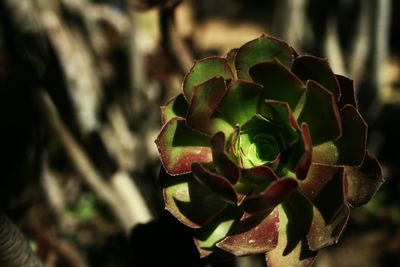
x,y
126,217
171,41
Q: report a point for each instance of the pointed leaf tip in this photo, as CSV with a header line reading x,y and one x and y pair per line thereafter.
x,y
216,183
271,197
258,175
363,181
204,70
321,114
278,82
264,48
347,96
205,100
175,107
318,70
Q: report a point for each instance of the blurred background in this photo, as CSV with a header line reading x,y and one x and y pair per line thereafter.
x,y
81,82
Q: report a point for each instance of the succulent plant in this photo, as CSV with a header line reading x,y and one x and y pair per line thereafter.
x,y
265,152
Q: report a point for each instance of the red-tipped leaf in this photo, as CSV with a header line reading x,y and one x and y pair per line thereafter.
x,y
179,147
271,197
216,183
252,235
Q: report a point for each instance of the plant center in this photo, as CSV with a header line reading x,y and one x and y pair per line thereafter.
x,y
262,150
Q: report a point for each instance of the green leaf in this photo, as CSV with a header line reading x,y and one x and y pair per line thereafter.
x,y
264,48
205,100
258,175
318,176
363,181
262,147
216,183
323,233
223,165
279,113
316,69
185,198
253,235
325,187
298,157
295,216
326,153
321,114
352,144
278,82
272,196
179,147
175,107
209,235
349,149
259,143
204,70
241,102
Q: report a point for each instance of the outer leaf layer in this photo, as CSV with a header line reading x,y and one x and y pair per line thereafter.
x,y
347,96
180,146
322,233
317,178
264,48
208,236
349,149
185,198
175,107
353,142
204,70
363,181
316,69
321,114
294,221
205,100
252,235
326,187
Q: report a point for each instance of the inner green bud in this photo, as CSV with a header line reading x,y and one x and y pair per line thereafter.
x,y
259,142
264,149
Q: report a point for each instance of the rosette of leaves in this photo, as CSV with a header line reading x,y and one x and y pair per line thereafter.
x,y
265,152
